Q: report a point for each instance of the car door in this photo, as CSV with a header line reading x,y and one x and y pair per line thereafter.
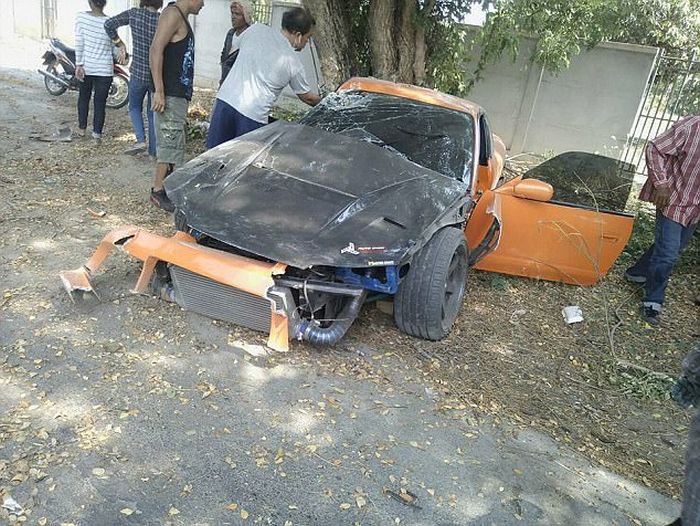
x,y
563,220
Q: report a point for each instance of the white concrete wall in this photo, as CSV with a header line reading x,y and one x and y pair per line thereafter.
x,y
210,27
7,20
589,107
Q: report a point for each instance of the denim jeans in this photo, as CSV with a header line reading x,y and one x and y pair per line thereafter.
x,y
656,264
137,92
101,87
227,124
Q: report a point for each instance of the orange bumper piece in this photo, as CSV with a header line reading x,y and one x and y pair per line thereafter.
x,y
248,275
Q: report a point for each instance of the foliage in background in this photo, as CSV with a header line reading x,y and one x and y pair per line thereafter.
x,y
563,29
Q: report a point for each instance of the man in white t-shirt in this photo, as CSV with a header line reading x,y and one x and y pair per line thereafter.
x,y
267,62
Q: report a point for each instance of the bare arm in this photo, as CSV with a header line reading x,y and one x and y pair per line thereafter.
x,y
168,24
309,98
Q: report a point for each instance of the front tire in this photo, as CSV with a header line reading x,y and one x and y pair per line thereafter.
x,y
53,87
430,296
118,92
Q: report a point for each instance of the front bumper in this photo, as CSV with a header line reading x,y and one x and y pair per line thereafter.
x,y
230,274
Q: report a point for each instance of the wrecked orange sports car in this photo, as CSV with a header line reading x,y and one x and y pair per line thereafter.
x,y
383,190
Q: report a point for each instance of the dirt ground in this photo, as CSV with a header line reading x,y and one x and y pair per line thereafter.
x,y
600,387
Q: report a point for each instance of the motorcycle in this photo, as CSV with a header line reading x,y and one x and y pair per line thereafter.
x,y
59,75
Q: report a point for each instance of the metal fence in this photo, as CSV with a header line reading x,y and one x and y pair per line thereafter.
x,y
672,92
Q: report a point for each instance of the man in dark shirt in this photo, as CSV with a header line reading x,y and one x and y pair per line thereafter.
x,y
142,21
241,18
172,67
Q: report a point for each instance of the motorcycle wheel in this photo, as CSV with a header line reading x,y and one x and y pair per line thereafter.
x,y
53,87
118,92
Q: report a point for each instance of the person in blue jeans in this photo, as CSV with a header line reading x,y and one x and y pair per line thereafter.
x,y
673,186
143,21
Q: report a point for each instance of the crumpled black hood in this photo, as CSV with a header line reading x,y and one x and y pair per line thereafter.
x,y
305,197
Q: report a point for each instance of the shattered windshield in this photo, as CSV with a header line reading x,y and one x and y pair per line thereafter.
x,y
437,138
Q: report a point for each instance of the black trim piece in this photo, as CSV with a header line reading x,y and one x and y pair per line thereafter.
x,y
318,286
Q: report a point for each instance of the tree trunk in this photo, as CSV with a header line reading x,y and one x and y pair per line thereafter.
x,y
419,59
420,45
381,39
405,40
332,36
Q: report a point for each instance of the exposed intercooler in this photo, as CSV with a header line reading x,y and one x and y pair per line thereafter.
x,y
205,296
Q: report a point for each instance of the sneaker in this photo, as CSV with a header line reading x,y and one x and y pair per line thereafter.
x,y
135,149
651,316
634,278
161,200
80,132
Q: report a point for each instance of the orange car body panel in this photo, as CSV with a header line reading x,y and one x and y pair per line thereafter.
x,y
248,275
548,240
407,91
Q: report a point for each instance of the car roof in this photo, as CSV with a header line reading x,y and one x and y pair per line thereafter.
x,y
407,91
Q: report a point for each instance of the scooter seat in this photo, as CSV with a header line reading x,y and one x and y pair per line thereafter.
x,y
69,51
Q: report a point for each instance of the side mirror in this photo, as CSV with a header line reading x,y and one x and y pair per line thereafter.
x,y
533,189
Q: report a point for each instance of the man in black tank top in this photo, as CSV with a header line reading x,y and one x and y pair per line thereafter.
x,y
172,67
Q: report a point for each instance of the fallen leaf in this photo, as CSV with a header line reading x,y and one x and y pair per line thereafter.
x,y
126,511
345,506
173,511
94,213
244,514
233,506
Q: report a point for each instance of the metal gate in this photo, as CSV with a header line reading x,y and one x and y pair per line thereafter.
x,y
673,91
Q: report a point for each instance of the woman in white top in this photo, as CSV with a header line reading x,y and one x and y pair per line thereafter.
x,y
94,57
